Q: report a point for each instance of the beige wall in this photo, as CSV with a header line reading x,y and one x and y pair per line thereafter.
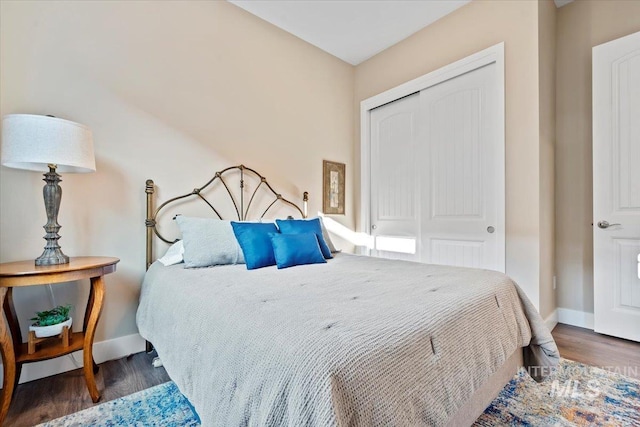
x,y
547,72
172,91
580,26
473,27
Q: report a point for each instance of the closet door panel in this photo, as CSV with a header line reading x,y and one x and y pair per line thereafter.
x,y
395,203
461,178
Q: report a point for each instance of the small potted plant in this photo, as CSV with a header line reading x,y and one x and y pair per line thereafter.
x,y
50,323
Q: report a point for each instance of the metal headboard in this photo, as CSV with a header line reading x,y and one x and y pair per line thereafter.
x,y
241,210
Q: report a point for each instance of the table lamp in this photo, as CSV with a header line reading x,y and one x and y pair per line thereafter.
x,y
46,143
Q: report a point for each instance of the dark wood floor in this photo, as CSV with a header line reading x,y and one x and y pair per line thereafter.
x,y
42,400
585,346
48,398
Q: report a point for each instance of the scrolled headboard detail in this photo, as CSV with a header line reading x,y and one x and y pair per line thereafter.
x,y
241,211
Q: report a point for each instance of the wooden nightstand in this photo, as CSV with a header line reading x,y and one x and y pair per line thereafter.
x,y
14,351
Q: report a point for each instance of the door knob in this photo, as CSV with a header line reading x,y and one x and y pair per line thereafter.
x,y
605,224
373,227
491,229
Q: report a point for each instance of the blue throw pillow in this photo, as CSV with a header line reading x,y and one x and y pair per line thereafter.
x,y
297,226
255,243
296,249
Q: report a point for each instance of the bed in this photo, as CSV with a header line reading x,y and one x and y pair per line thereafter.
x,y
355,341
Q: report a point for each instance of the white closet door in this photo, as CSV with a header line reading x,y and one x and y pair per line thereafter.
x,y
462,171
395,203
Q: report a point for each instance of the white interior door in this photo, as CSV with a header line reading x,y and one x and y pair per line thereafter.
x,y
395,205
463,173
616,187
437,174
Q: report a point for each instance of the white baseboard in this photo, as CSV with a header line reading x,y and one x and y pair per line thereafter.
x,y
582,319
102,351
552,320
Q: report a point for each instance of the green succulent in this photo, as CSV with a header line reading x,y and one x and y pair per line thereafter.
x,y
52,317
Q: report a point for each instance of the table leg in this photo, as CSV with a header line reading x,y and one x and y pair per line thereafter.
x,y
14,328
94,308
12,319
8,363
87,312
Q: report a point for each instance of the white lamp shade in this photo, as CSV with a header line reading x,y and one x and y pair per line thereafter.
x,y
34,142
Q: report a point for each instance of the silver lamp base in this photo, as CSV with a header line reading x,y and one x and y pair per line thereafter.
x,y
52,257
52,193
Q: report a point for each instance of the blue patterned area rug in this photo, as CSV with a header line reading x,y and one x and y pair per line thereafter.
x,y
576,395
159,406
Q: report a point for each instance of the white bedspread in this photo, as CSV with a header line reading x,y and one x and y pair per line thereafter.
x,y
358,341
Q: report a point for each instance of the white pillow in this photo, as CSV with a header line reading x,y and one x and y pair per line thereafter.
x,y
208,242
174,254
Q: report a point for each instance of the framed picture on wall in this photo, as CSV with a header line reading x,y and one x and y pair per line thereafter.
x,y
333,187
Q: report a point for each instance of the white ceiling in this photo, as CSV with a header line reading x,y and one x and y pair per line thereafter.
x,y
352,30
